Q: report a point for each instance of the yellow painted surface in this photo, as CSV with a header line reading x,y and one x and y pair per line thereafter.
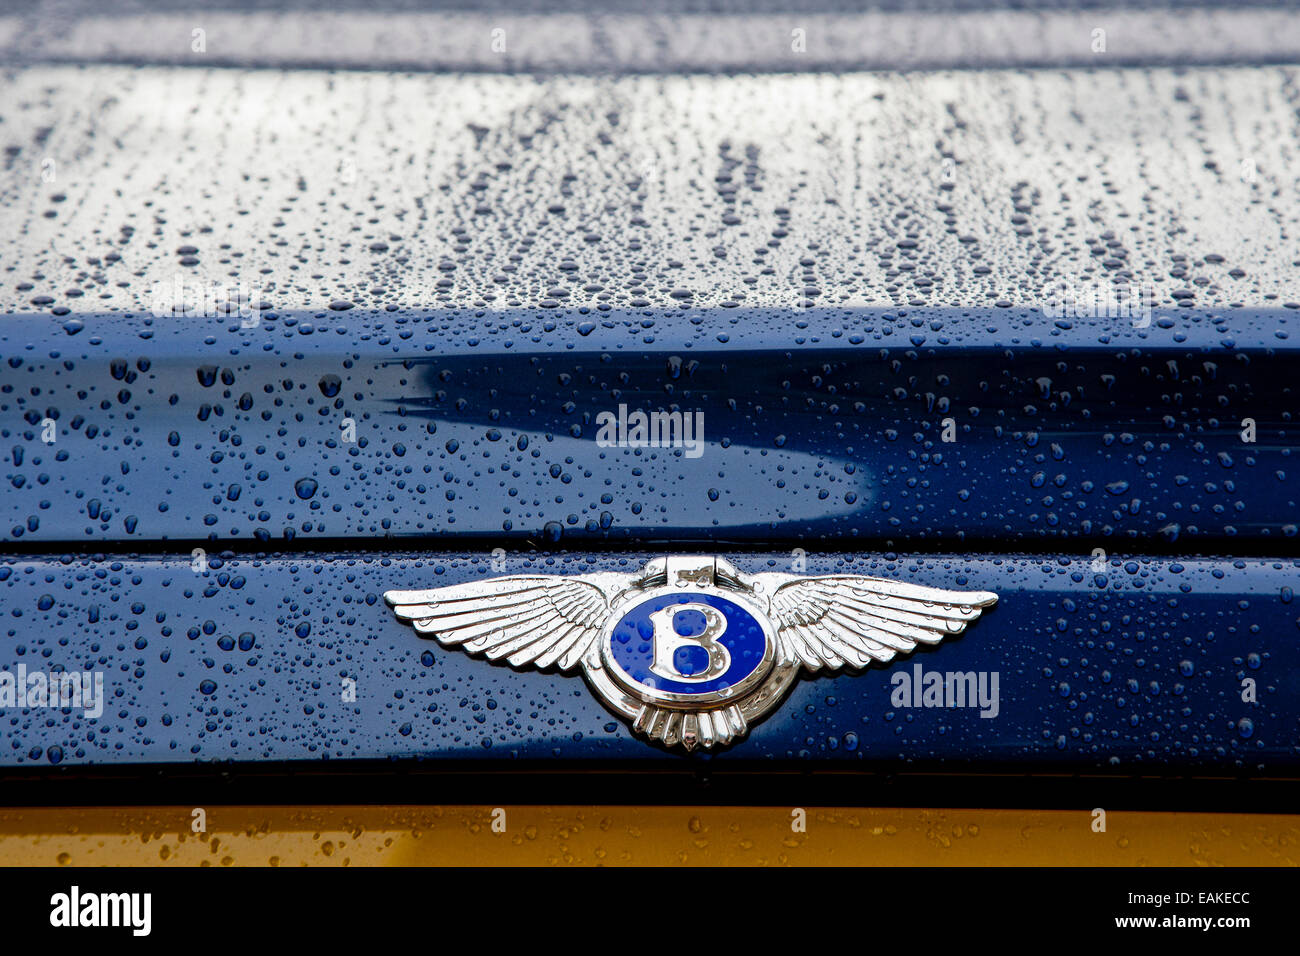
x,y
663,836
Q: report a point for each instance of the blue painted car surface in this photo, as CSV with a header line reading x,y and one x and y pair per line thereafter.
x,y
194,434
822,427
1134,669
340,307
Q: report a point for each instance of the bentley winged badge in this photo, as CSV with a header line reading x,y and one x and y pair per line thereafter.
x,y
689,650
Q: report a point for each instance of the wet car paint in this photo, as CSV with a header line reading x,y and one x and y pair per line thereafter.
x,y
1145,666
425,835
908,426
521,228
952,188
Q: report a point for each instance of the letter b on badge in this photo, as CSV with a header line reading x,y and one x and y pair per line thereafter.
x,y
686,644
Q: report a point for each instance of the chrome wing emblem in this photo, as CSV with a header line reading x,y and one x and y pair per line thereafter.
x,y
689,650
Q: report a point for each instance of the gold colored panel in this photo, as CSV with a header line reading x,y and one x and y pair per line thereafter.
x,y
656,836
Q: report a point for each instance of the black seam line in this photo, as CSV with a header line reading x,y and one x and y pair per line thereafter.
x,y
899,548
687,780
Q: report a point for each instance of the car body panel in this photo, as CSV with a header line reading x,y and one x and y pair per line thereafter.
x,y
213,264
916,425
438,835
959,188
1139,667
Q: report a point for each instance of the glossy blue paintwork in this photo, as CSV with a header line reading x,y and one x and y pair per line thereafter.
x,y
820,425
822,432
1137,669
